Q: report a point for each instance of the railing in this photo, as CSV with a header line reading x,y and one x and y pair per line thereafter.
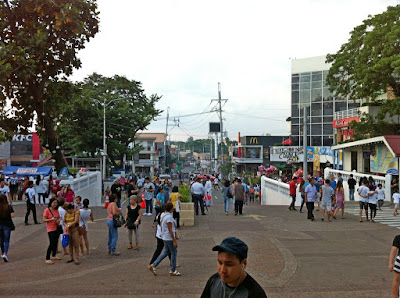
x,y
346,114
384,180
87,186
276,193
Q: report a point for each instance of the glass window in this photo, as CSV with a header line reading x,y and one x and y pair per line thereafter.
x,y
305,96
295,97
327,141
316,119
295,86
328,108
295,121
325,73
328,119
340,106
316,94
316,109
305,77
328,96
317,76
305,85
317,84
295,140
295,78
316,130
328,129
316,141
295,130
353,105
295,110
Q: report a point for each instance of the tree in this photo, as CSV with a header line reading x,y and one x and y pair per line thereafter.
x,y
128,110
369,63
39,40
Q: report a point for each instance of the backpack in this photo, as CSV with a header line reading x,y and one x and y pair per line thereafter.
x,y
229,193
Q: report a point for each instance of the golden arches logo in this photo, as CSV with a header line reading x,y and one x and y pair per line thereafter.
x,y
253,140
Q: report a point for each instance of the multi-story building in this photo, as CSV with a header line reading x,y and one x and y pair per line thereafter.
x,y
151,158
309,90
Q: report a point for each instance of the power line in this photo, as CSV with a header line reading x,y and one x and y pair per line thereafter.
x,y
252,116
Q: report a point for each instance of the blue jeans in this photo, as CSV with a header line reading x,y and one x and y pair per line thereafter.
x,y
168,249
227,202
149,206
112,235
351,194
5,233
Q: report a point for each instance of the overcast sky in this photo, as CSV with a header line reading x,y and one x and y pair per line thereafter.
x,y
181,49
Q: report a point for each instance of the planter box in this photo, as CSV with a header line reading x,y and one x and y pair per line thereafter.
x,y
187,214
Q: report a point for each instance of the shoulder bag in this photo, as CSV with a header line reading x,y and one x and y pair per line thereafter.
x,y
119,220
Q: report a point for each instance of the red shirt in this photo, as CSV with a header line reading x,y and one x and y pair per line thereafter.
x,y
51,225
292,185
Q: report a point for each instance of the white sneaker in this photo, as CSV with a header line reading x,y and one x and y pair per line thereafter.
x,y
144,214
4,258
149,214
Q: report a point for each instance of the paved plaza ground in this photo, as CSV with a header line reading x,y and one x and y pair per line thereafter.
x,y
288,255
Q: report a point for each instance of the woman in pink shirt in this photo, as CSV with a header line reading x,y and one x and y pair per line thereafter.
x,y
69,194
52,219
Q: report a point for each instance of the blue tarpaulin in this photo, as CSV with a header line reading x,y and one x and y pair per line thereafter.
x,y
27,171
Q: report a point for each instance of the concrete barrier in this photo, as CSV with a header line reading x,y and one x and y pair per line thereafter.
x,y
187,214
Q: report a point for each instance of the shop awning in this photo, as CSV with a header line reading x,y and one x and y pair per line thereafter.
x,y
27,171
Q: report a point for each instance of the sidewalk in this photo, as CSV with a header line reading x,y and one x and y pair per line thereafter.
x,y
288,255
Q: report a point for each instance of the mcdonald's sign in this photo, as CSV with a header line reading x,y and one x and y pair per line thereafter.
x,y
253,140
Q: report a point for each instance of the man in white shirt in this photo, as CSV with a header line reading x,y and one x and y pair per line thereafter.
x,y
30,203
13,185
208,191
363,194
4,190
197,191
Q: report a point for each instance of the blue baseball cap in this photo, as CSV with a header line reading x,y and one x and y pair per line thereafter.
x,y
233,246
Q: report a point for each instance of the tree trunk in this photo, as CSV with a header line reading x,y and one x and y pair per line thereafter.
x,y
57,155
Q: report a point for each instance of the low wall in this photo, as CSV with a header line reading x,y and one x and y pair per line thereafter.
x,y
187,214
87,186
276,193
384,180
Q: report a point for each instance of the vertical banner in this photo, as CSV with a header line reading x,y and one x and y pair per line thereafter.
x,y
317,164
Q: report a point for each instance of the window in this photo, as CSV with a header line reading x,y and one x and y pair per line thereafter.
x,y
144,156
340,105
317,76
317,84
327,141
305,85
295,78
316,129
316,109
328,96
295,110
316,94
316,141
295,86
295,130
295,121
305,96
305,77
328,108
328,129
328,119
316,119
295,96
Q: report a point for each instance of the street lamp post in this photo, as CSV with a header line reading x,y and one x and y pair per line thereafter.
x,y
104,104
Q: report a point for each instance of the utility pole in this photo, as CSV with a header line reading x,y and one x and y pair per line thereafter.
x,y
166,141
305,167
220,100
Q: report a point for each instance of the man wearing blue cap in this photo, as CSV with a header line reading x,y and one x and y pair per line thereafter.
x,y
232,280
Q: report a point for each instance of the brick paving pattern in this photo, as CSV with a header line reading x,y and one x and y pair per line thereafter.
x,y
288,255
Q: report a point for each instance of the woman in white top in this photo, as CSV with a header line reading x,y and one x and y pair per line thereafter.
x,y
396,199
85,215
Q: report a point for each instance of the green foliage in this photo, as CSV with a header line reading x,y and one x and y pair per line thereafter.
x,y
226,168
369,62
184,190
128,110
39,40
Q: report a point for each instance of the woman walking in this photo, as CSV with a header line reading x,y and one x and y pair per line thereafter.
x,y
133,217
339,196
167,224
175,199
112,210
167,187
160,242
51,217
227,193
71,222
6,226
372,200
85,214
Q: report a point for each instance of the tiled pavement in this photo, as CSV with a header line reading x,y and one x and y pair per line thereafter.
x,y
288,255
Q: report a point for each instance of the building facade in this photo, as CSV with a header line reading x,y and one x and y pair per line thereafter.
x,y
151,159
309,89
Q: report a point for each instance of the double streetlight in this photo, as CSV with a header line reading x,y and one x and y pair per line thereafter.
x,y
105,104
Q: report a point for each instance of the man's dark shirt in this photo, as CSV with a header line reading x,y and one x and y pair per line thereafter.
x,y
352,183
215,288
116,189
129,189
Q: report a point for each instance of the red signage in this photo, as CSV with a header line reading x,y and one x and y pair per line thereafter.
x,y
344,122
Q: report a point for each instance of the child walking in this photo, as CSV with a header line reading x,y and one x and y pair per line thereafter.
x,y
381,196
